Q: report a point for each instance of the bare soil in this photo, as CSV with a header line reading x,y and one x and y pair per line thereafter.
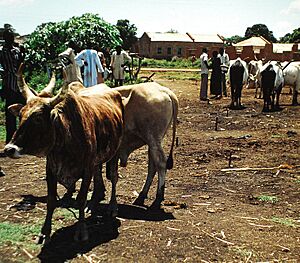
x,y
209,215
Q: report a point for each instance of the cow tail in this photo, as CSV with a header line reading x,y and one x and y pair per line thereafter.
x,y
170,162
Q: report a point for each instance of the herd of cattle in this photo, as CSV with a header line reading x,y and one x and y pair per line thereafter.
x,y
79,129
268,78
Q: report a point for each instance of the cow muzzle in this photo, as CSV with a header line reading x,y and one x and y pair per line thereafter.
x,y
12,151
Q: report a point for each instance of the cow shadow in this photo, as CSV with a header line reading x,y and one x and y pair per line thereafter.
x,y
101,229
63,247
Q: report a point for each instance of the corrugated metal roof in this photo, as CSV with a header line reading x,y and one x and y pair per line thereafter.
x,y
253,41
169,37
187,37
280,47
206,38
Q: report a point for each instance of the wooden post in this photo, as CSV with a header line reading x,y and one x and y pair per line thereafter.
x,y
217,121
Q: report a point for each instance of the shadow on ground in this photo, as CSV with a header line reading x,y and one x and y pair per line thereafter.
x,y
101,228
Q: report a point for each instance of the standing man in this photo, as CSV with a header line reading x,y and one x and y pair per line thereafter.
x,y
92,66
119,59
10,59
224,69
204,74
68,58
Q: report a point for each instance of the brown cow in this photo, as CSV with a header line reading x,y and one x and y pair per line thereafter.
x,y
76,133
149,110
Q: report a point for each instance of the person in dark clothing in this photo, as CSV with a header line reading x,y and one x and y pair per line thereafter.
x,y
10,60
216,75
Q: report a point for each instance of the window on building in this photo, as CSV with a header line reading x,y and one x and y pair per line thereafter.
x,y
159,50
179,51
169,51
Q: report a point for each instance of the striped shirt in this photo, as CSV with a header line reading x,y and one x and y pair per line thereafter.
x,y
10,59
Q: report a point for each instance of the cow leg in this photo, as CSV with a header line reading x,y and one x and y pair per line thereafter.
x,y
112,174
81,233
159,158
295,97
151,172
51,205
256,90
99,189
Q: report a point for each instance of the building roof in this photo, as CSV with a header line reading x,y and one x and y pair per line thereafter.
x,y
199,38
168,37
187,37
253,41
280,47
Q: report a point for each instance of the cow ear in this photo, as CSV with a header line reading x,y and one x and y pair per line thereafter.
x,y
15,109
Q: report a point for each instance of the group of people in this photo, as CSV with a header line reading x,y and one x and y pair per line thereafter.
x,y
94,66
219,63
92,63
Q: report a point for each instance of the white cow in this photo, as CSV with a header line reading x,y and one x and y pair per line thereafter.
x,y
150,109
291,73
254,68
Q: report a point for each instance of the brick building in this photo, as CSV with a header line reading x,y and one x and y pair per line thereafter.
x,y
260,48
168,45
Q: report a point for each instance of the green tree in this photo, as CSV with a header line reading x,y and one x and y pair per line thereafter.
x,y
260,30
172,31
291,37
234,39
127,33
49,39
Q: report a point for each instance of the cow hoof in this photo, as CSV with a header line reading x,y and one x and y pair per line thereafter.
x,y
155,206
139,201
81,233
43,239
112,211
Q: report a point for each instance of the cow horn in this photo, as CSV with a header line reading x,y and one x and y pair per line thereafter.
x,y
61,94
24,89
48,90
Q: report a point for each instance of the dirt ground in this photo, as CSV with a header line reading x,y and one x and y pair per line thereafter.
x,y
209,215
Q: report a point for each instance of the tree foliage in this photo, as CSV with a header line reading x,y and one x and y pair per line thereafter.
x,y
127,33
292,37
260,30
234,39
50,39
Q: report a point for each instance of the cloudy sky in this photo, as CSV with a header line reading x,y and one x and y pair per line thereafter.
x,y
225,17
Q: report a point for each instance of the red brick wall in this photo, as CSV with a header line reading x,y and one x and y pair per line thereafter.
x,y
265,53
146,48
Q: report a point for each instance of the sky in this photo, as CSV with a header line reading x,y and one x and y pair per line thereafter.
x,y
225,17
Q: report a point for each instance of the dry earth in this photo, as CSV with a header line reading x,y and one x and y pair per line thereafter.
x,y
209,215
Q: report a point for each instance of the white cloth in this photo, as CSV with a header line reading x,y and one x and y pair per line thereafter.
x,y
203,67
116,64
224,62
92,65
72,70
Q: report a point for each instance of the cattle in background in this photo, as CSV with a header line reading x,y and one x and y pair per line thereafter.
x,y
271,83
238,75
291,74
76,132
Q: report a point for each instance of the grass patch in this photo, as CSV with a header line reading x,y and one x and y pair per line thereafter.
x,y
268,199
243,252
2,133
285,221
17,234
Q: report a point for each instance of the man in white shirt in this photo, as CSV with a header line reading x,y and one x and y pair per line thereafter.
x,y
119,59
204,74
224,68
